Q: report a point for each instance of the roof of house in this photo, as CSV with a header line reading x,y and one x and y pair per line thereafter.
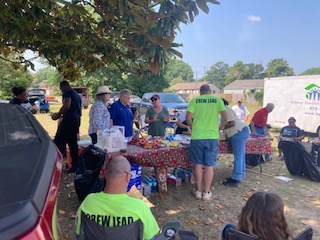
x,y
245,84
188,85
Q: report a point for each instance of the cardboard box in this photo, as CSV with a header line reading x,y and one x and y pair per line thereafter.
x,y
146,189
152,181
173,180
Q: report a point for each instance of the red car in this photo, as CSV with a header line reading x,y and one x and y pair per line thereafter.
x,y
30,171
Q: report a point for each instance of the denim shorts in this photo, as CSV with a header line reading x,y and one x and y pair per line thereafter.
x,y
204,152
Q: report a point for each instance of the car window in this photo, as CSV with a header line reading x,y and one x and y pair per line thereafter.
x,y
36,92
171,98
147,96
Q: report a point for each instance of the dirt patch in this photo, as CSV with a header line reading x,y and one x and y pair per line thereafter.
x,y
206,219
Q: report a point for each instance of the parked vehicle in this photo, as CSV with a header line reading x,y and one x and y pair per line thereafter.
x,y
39,95
294,96
84,95
30,175
173,102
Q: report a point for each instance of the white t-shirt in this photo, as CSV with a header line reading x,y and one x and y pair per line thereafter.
x,y
241,112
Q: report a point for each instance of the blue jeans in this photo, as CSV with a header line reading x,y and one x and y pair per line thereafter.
x,y
261,131
238,143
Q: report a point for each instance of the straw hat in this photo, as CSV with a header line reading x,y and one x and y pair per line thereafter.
x,y
103,89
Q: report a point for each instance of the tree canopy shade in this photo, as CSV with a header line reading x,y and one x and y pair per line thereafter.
x,y
135,35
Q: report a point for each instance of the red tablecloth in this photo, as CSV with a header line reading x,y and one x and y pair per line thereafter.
x,y
179,157
259,145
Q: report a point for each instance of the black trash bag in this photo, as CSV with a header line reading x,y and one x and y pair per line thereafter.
x,y
254,159
299,161
315,151
87,179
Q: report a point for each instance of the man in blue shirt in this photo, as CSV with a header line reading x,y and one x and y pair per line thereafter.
x,y
68,128
121,114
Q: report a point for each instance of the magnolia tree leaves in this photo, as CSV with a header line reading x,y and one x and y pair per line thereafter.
x,y
134,35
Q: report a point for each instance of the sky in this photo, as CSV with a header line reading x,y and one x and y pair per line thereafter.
x,y
253,31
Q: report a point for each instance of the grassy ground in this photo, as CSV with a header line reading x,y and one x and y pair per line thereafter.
x,y
206,219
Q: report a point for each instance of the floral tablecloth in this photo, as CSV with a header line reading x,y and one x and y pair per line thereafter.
x,y
179,157
257,145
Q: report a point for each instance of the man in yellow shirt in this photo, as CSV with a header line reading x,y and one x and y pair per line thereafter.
x,y
113,207
202,116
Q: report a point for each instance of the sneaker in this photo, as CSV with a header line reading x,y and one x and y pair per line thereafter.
x,y
197,194
269,158
206,195
280,158
231,182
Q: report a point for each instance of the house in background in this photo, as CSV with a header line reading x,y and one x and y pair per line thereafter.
x,y
244,86
189,90
192,87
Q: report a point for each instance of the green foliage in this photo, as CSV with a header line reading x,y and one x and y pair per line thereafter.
x,y
241,70
136,35
177,68
109,76
47,77
278,67
311,71
217,74
149,83
116,81
11,77
259,96
176,80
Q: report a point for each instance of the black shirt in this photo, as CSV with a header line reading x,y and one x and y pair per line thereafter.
x,y
74,111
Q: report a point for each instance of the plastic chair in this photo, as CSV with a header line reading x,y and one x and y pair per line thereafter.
x,y
233,234
90,230
305,234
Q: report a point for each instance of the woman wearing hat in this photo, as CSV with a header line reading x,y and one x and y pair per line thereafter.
x,y
157,117
99,114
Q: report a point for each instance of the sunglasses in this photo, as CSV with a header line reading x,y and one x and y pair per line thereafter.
x,y
154,99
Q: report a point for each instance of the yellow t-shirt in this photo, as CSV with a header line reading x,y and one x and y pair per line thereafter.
x,y
205,111
111,210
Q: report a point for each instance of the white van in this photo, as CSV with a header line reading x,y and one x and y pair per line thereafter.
x,y
294,96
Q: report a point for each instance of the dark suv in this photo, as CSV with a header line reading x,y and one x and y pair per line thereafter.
x,y
30,171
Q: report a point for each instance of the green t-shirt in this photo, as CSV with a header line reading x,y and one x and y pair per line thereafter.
x,y
116,210
157,128
205,111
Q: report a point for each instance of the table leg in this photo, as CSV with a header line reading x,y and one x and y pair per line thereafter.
x,y
161,174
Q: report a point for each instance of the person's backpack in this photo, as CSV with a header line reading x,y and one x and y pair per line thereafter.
x,y
87,179
254,159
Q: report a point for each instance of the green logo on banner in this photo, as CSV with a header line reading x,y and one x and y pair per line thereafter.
x,y
313,92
